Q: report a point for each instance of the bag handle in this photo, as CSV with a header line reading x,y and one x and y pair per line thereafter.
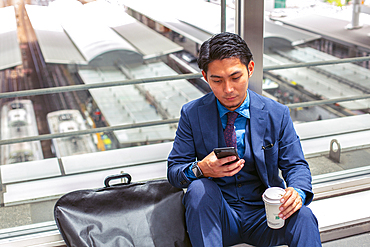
x,y
118,176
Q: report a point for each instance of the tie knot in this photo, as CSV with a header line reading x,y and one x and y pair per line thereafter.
x,y
231,116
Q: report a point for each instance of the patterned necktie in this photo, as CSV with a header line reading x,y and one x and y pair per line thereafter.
x,y
229,132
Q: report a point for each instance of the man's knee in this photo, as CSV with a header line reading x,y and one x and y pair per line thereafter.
x,y
302,229
202,191
304,217
305,213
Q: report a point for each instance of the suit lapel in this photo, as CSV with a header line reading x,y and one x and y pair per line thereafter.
x,y
210,124
258,122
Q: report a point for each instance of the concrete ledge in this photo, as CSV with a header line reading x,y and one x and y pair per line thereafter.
x,y
42,234
342,216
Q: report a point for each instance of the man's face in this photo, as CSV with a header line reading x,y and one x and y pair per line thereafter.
x,y
228,79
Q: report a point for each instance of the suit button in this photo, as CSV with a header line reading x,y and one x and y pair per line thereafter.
x,y
238,177
242,198
239,185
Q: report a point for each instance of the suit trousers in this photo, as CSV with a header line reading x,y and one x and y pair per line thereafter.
x,y
212,221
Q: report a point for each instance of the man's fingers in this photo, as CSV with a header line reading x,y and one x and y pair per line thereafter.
x,y
234,165
292,202
291,208
287,195
287,200
234,168
228,159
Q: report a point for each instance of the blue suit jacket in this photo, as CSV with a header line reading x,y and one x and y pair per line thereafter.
x,y
200,131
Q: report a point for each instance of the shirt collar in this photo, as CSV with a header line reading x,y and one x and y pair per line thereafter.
x,y
243,109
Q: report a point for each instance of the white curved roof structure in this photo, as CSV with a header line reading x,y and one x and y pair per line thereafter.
x,y
10,54
56,46
147,41
293,35
91,37
96,34
94,40
66,34
190,19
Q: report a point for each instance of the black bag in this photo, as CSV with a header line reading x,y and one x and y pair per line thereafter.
x,y
137,214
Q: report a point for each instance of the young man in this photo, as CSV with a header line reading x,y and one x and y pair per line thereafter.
x,y
223,203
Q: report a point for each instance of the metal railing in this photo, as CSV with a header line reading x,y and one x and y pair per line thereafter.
x,y
157,79
63,89
88,131
317,63
328,101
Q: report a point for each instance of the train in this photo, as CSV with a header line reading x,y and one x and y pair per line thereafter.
x,y
18,120
63,121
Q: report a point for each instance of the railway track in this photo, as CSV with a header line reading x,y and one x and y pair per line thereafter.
x,y
37,74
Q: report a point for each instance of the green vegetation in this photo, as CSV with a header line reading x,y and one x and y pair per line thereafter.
x,y
337,2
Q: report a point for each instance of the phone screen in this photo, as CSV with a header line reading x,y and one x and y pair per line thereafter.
x,y
225,152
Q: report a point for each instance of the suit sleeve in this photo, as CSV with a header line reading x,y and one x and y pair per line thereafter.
x,y
294,167
183,152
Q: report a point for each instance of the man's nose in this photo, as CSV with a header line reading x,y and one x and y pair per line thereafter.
x,y
228,88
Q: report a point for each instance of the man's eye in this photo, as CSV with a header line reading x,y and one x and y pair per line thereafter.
x,y
236,78
217,81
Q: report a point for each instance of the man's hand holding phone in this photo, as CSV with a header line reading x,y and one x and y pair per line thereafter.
x,y
228,163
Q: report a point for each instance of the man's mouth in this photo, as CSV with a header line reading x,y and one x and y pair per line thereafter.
x,y
230,98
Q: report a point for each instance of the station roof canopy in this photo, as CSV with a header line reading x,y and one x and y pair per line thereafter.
x,y
147,41
129,104
294,35
10,54
332,29
56,46
166,15
323,80
81,34
92,37
125,105
189,19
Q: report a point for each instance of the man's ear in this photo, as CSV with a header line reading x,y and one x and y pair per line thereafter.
x,y
251,68
204,75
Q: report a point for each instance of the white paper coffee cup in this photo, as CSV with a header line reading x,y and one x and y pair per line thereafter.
x,y
272,197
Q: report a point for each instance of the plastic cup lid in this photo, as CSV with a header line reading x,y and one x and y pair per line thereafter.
x,y
273,194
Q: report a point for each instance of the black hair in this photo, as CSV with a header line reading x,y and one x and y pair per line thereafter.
x,y
223,45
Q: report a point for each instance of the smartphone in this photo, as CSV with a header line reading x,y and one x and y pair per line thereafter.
x,y
225,152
